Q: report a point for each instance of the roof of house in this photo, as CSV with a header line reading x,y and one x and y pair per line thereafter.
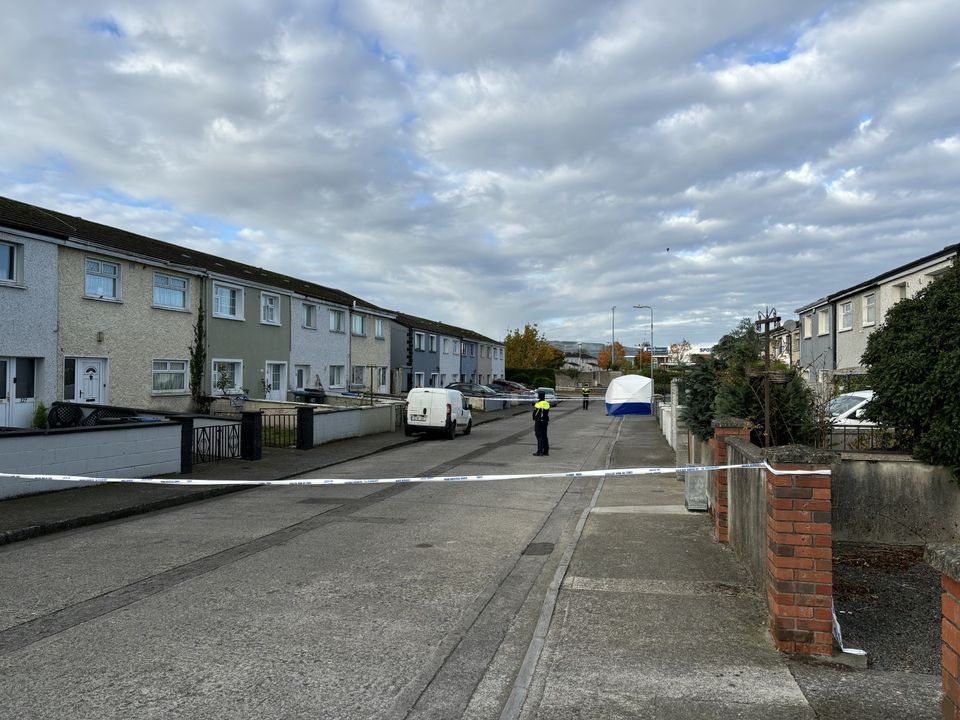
x,y
946,253
419,323
23,216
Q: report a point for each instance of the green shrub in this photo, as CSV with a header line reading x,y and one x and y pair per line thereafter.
x,y
40,417
913,368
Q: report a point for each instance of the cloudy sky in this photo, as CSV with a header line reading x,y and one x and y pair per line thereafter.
x,y
490,163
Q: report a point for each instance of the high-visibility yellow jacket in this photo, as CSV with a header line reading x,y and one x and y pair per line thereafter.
x,y
541,411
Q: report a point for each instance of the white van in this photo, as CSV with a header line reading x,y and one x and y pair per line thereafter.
x,y
847,410
436,410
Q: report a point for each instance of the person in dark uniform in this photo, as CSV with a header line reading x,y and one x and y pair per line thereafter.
x,y
541,417
585,390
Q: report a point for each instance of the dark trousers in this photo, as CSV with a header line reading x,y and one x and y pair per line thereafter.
x,y
586,403
543,445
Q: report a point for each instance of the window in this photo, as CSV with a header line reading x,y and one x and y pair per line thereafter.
x,y
356,377
227,376
433,380
900,292
382,376
69,378
169,291
302,375
227,302
336,375
456,377
10,262
269,309
308,317
443,380
418,379
336,321
378,327
418,343
846,316
101,279
169,376
456,348
870,309
356,324
446,346
433,343
23,382
823,321
808,326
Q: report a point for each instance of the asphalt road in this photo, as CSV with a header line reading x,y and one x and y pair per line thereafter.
x,y
360,601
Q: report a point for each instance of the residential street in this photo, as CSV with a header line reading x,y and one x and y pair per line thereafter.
x,y
302,602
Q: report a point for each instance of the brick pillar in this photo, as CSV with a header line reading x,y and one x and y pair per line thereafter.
x,y
946,559
799,559
722,429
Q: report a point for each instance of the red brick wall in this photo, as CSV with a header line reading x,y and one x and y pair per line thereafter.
x,y
950,630
718,512
799,562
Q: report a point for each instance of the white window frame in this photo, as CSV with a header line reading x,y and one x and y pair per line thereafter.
x,y
238,301
419,343
823,322
161,281
378,328
301,376
14,252
434,377
807,321
308,316
269,309
433,343
900,291
182,372
99,273
357,375
446,346
418,379
335,376
356,325
381,375
237,386
869,309
336,320
846,316
456,349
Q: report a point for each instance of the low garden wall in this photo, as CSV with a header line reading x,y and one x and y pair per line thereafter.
x,y
747,508
136,451
353,422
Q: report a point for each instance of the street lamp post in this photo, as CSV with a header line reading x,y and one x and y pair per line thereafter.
x,y
647,307
613,334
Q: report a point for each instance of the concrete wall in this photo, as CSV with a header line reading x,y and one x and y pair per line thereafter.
x,y
894,500
352,422
747,508
132,451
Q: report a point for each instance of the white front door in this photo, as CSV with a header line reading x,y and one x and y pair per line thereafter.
x,y
276,373
90,383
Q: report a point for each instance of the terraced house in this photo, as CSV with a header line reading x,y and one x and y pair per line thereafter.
x,y
103,316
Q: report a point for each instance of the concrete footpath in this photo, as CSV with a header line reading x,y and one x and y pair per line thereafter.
x,y
654,619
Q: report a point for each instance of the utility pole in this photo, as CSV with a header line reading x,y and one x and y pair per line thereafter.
x,y
613,334
764,321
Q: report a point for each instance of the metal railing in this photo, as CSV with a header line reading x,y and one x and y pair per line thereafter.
x,y
216,442
865,438
280,428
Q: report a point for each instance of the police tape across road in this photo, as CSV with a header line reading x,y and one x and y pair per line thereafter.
x,y
614,472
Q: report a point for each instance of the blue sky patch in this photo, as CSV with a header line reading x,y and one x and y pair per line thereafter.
x,y
108,26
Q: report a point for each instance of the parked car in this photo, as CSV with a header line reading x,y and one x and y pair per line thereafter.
x,y
436,410
508,386
549,394
848,410
472,389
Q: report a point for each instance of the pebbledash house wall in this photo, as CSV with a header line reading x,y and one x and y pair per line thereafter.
x,y
449,361
129,333
368,350
318,347
30,308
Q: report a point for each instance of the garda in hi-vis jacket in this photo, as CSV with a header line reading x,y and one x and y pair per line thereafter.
x,y
541,411
541,416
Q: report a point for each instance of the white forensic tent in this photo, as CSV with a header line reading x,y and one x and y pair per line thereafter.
x,y
630,395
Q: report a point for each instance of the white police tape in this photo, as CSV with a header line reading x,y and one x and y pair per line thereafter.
x,y
616,472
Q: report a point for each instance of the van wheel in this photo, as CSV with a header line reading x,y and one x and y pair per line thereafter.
x,y
452,430
469,427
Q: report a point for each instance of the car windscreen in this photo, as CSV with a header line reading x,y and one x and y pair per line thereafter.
x,y
839,405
